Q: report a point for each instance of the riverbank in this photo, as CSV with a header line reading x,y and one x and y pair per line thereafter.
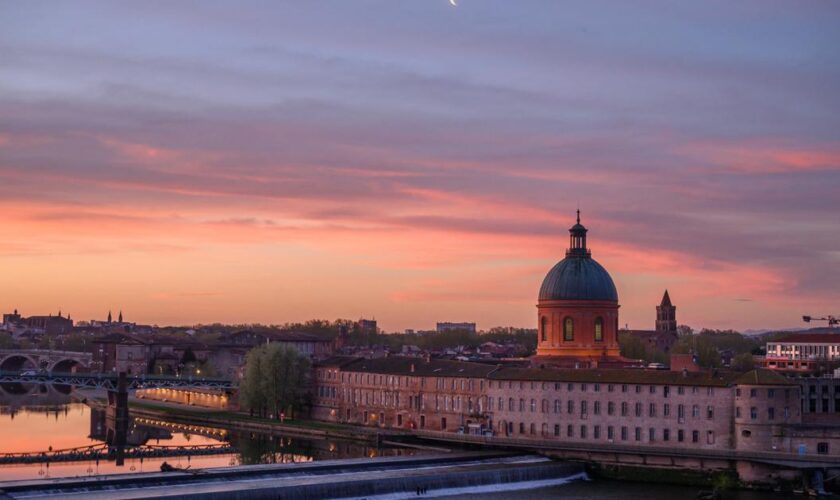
x,y
244,422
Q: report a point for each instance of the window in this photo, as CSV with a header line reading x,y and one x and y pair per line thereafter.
x,y
522,405
680,435
570,407
652,389
771,413
746,433
570,430
624,433
599,329
583,408
583,432
710,437
557,406
666,391
771,393
737,412
544,406
666,434
610,433
638,409
623,408
623,387
753,413
597,409
695,411
638,433
533,405
822,448
521,427
695,436
543,328
680,390
752,393
651,434
610,408
568,329
511,405
710,412
533,429
596,432
652,410
557,429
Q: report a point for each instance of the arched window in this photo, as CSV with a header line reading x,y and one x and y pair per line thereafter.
x,y
543,328
599,329
568,329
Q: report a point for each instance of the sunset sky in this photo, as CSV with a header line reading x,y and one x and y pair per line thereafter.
x,y
417,162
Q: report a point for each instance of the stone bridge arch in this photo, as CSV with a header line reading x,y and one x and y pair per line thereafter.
x,y
11,362
68,365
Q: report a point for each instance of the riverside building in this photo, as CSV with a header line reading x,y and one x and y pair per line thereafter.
x,y
577,388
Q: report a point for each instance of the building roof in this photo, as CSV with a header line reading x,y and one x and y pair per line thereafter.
x,y
337,361
611,376
418,367
810,338
578,278
763,377
666,300
121,338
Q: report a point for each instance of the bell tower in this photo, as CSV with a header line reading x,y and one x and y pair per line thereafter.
x,y
666,315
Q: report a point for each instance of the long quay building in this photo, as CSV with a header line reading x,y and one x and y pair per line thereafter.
x,y
756,411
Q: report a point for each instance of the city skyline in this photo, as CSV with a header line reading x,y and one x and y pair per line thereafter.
x,y
417,162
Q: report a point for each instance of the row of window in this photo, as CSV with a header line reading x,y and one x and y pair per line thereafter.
x,y
771,393
469,384
771,413
638,408
583,432
569,329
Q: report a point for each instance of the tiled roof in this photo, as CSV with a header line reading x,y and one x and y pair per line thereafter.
x,y
398,365
612,376
337,361
763,377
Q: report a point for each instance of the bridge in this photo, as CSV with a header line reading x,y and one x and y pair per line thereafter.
x,y
110,381
44,359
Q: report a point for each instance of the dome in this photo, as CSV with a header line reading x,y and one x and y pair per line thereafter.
x,y
578,278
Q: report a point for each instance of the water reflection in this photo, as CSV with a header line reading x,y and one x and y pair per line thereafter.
x,y
49,422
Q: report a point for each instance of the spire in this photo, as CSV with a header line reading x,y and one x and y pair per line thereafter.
x,y
666,299
578,215
120,318
109,316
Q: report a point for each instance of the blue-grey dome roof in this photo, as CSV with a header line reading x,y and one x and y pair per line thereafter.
x,y
578,278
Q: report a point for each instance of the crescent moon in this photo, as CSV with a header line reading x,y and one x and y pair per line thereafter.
x,y
453,3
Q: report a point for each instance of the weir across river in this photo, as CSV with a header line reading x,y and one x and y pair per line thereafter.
x,y
328,479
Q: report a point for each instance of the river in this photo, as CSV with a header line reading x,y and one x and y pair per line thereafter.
x,y
50,421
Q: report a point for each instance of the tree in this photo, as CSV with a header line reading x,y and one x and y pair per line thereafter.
x,y
276,380
6,341
743,362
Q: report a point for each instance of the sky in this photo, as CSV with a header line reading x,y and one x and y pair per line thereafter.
x,y
415,162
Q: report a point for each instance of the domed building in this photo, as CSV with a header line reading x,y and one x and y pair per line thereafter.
x,y
577,311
